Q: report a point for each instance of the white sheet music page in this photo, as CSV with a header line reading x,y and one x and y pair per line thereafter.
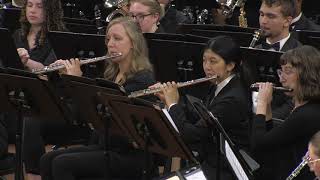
x,y
170,119
196,175
235,164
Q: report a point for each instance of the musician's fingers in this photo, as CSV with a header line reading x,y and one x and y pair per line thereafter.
x,y
155,86
59,61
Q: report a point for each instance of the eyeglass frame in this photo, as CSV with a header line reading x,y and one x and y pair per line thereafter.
x,y
281,72
308,159
139,17
311,162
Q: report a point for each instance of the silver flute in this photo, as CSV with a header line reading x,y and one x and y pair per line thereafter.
x,y
298,169
149,91
56,67
255,87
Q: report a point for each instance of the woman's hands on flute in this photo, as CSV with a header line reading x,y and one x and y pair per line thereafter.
x,y
72,66
264,100
169,92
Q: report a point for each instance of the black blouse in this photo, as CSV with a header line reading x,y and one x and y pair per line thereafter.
x,y
280,149
41,53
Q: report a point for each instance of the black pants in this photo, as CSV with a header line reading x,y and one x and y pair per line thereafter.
x,y
38,132
90,162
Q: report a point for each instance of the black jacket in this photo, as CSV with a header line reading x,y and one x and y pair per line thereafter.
x,y
280,149
41,53
305,24
230,106
290,44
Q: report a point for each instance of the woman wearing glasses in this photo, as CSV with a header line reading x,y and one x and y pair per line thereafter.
x,y
279,149
147,14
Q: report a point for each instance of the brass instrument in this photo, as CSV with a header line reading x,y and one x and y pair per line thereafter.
x,y
56,67
243,22
149,91
255,87
297,170
119,11
256,37
228,6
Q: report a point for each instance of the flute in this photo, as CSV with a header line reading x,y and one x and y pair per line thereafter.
x,y
298,169
255,87
56,67
149,91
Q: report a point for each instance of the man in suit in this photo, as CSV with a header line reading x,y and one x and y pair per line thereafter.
x,y
275,20
301,22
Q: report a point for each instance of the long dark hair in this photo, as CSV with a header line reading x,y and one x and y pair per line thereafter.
x,y
53,13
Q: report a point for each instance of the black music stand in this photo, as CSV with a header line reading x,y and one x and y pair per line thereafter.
x,y
187,28
8,55
315,42
84,93
68,45
176,37
242,165
261,64
177,61
305,36
28,96
164,36
148,126
82,28
242,38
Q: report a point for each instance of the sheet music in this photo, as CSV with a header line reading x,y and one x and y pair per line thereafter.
x,y
196,175
170,119
173,178
235,164
254,101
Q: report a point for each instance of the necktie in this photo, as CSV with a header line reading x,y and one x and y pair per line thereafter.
x,y
275,46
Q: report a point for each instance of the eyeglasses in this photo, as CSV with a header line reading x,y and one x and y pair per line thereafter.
x,y
313,161
139,17
286,72
309,161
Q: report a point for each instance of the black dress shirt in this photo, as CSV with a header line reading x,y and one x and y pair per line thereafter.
x,y
41,53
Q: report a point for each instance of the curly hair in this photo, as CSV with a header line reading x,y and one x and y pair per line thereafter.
x,y
140,60
306,59
52,22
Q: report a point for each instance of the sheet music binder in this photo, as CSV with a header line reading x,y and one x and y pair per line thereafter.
x,y
24,94
164,138
83,92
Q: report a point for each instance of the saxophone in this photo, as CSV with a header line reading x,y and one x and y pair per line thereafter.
x,y
297,170
256,37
